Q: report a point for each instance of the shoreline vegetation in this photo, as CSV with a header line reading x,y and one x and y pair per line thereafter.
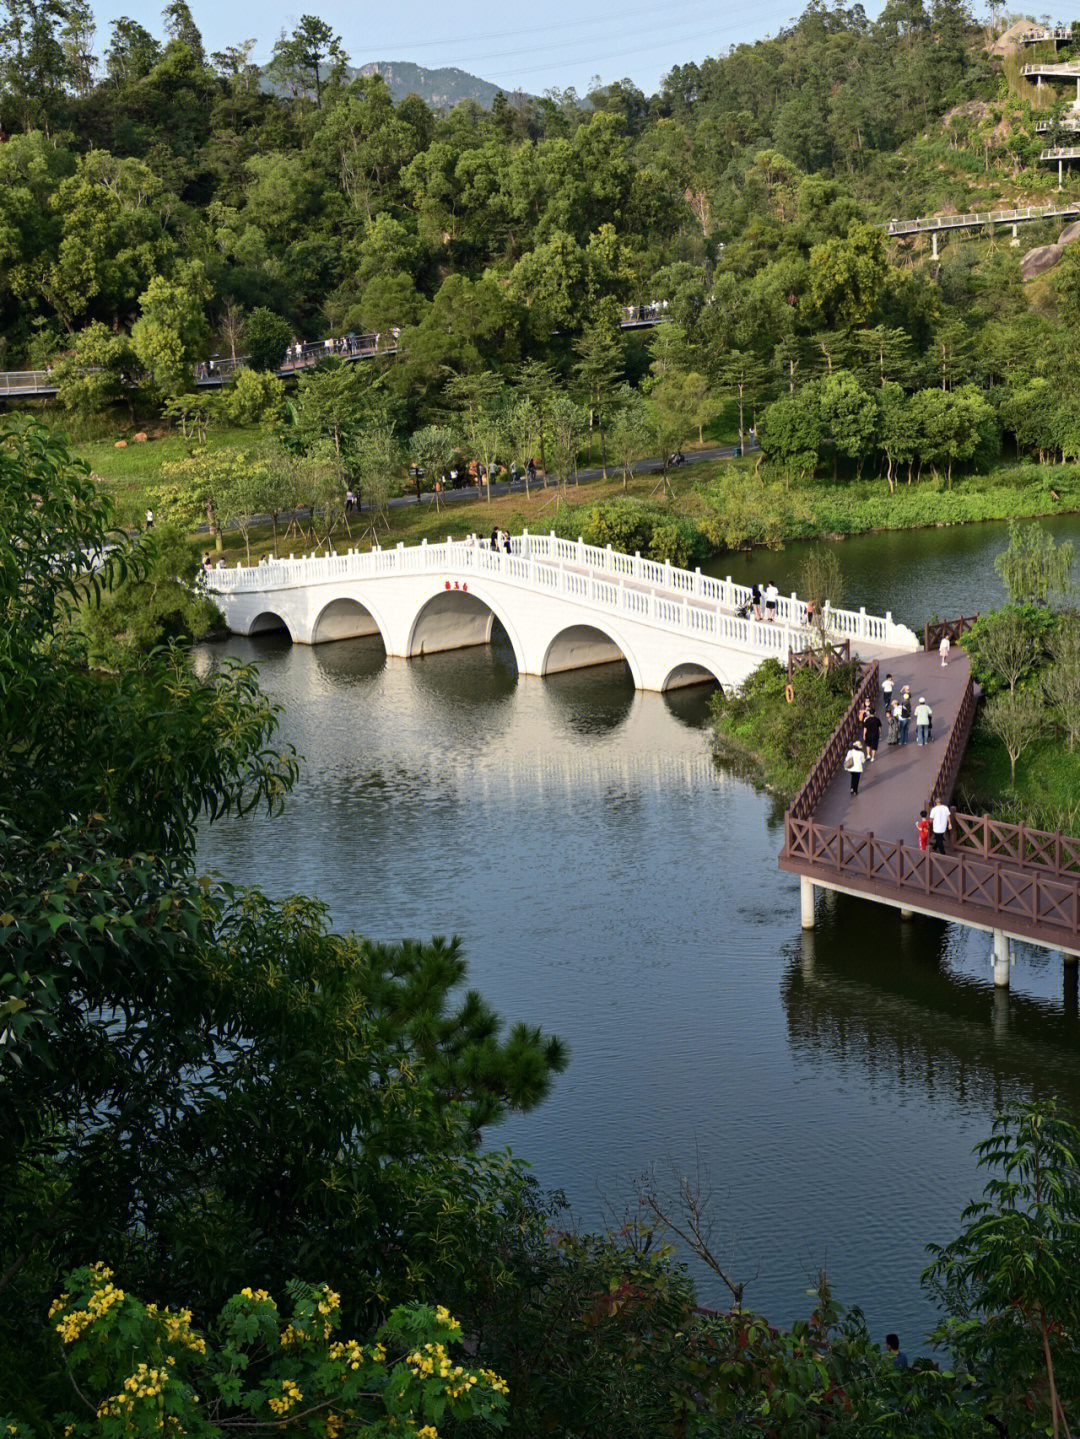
x,y
714,506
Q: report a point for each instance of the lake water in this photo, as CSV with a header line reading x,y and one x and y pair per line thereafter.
x,y
613,884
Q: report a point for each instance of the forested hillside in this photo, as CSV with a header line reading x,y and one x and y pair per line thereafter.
x,y
160,205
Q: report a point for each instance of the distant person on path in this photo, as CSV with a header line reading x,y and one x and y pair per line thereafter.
x,y
350,502
772,595
922,825
892,1348
855,763
886,692
894,724
149,519
871,733
940,824
207,563
943,650
924,717
513,472
755,600
809,614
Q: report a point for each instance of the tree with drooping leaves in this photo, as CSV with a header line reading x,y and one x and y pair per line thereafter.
x,y
1035,567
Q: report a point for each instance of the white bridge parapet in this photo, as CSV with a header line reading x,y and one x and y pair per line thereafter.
x,y
564,605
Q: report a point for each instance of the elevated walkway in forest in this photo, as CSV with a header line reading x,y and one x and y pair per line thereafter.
x,y
213,374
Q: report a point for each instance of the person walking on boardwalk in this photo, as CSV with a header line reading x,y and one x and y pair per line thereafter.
x,y
922,825
886,692
940,824
924,718
943,650
894,724
871,733
903,715
855,763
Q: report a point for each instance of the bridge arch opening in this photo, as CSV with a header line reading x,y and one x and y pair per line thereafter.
x,y
455,619
691,674
268,623
581,647
344,619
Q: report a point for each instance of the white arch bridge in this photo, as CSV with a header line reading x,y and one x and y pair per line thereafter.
x,y
563,605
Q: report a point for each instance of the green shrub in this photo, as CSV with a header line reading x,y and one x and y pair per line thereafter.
x,y
634,526
783,740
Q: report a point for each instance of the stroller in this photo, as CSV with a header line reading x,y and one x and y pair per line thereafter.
x,y
743,611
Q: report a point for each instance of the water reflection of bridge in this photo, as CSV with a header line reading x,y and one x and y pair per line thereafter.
x,y
886,997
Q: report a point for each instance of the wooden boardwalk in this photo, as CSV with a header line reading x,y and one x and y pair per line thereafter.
x,y
1014,881
898,784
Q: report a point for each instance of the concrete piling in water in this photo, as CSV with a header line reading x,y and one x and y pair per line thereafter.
x,y
806,897
1002,959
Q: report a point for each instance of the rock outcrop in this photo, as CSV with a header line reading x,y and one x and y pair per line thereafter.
x,y
1045,257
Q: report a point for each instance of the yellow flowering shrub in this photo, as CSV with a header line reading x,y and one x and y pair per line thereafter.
x,y
143,1372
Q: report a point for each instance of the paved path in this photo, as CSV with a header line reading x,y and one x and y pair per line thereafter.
x,y
895,787
476,493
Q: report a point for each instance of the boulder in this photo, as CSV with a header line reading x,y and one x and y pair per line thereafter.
x,y
120,445
1043,257
141,438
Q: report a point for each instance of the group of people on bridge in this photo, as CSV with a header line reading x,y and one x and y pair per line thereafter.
x,y
899,711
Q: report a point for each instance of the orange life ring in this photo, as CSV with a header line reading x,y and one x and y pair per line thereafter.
x,y
789,693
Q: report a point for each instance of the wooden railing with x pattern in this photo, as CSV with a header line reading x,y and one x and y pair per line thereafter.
x,y
836,747
1030,902
954,750
821,660
936,630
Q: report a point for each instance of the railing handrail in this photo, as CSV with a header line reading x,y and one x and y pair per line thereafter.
x,y
1045,906
934,631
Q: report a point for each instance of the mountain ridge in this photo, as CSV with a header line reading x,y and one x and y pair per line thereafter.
x,y
442,88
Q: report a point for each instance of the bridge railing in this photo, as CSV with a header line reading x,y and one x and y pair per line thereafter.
x,y
1016,844
1041,906
934,631
703,593
25,381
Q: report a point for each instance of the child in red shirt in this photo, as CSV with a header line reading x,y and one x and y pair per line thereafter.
x,y
922,824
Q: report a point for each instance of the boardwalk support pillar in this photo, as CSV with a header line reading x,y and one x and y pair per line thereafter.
x,y
1001,959
806,895
907,914
1061,172
1015,241
933,242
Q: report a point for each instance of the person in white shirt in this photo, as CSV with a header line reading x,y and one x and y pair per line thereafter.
x,y
855,763
772,595
923,718
940,824
943,650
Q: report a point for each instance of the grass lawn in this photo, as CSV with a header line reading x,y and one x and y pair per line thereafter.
x,y
1047,793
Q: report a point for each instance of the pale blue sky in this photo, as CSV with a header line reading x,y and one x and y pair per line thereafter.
x,y
524,46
